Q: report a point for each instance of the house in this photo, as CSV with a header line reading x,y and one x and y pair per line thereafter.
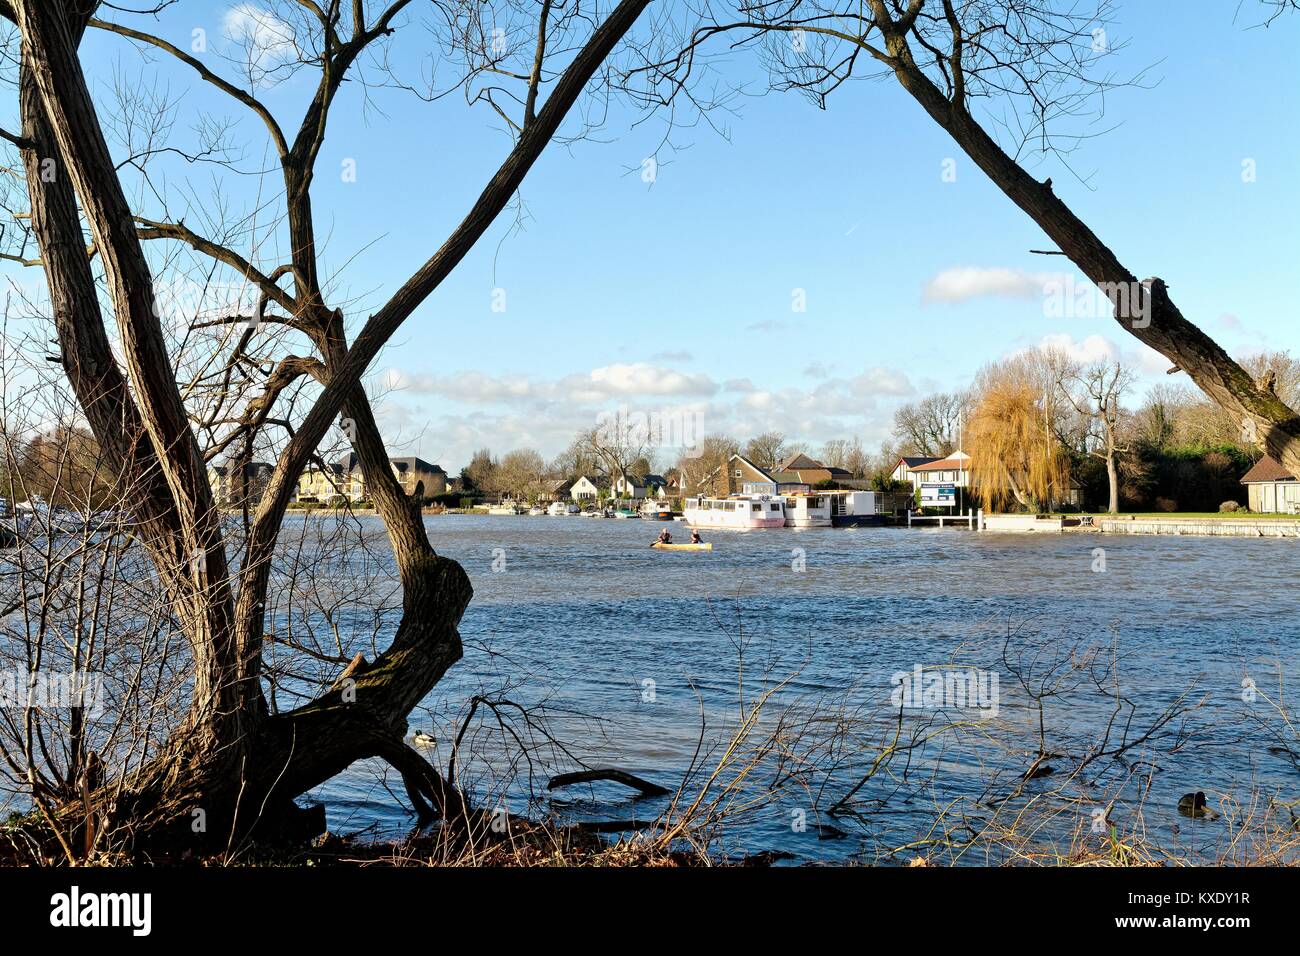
x,y
954,470
332,481
1270,488
630,486
229,488
939,479
803,469
903,470
739,475
588,489
417,475
558,490
344,478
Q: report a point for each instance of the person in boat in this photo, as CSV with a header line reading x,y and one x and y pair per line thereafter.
x,y
665,536
695,536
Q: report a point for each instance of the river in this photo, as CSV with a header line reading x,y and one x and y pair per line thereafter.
x,y
631,649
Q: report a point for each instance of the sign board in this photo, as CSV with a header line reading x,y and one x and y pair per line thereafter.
x,y
938,495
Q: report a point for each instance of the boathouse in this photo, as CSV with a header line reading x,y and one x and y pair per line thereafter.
x,y
1271,488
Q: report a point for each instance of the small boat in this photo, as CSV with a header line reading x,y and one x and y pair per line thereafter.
x,y
625,513
535,510
557,509
572,509
706,546
505,508
657,510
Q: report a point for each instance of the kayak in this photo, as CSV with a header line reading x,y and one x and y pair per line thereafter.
x,y
706,546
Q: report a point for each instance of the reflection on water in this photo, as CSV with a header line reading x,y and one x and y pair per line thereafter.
x,y
627,647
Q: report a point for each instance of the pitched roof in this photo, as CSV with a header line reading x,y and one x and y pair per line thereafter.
x,y
796,462
943,464
916,461
1267,469
751,465
419,464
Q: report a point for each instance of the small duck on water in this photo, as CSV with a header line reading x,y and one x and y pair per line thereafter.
x,y
1195,805
423,738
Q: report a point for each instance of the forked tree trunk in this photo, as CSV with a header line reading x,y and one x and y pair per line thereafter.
x,y
232,769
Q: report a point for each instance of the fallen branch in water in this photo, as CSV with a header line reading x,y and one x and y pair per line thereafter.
x,y
647,788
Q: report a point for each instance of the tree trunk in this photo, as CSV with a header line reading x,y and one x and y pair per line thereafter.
x,y
1159,323
232,769
1112,475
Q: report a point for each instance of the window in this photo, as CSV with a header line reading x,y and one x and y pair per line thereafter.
x,y
756,507
738,474
775,506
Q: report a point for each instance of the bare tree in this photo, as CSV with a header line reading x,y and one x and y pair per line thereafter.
x,y
930,426
766,450
1096,393
231,755
1034,62
704,471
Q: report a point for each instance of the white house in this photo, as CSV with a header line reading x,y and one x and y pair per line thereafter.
x,y
903,470
629,486
588,489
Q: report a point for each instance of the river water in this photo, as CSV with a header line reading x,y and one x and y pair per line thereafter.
x,y
638,658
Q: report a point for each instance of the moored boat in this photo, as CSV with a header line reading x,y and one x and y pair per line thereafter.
x,y
807,511
657,510
505,508
557,509
704,546
739,512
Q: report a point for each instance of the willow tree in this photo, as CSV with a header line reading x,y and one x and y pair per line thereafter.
x,y
1035,66
1014,434
232,756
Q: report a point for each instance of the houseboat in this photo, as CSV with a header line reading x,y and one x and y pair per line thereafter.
x,y
738,511
808,511
850,508
657,510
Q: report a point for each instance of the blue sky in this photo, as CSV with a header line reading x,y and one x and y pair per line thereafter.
x,y
677,294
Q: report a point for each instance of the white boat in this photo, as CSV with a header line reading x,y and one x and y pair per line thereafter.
x,y
536,510
808,511
737,511
657,509
505,508
557,509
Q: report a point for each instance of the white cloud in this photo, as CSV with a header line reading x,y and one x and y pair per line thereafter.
x,y
265,40
641,378
971,282
510,411
621,380
880,381
1095,348
1098,348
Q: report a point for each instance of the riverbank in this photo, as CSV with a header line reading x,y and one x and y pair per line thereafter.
x,y
1203,525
